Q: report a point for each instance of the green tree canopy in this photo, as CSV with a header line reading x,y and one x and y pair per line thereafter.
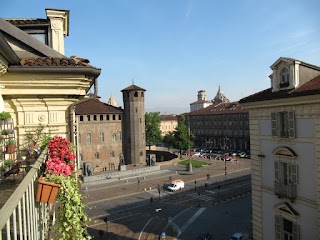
x,y
153,132
168,139
181,135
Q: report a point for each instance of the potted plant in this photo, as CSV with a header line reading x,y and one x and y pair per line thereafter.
x,y
4,133
10,145
60,170
8,164
5,115
11,133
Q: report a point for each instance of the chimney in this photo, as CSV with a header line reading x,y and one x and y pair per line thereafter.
x,y
59,26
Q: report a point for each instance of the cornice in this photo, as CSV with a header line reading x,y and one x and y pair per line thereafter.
x,y
3,68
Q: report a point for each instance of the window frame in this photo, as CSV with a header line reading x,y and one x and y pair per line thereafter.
x,y
283,124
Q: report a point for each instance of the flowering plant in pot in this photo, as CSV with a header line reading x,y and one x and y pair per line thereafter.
x,y
59,169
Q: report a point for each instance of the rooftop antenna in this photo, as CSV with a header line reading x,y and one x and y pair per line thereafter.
x,y
132,81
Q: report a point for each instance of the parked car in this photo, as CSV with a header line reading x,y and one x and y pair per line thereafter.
x,y
236,236
196,154
205,155
242,154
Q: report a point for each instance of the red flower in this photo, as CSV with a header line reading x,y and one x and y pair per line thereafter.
x,y
61,160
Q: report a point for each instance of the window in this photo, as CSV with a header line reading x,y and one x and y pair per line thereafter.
x,y
88,118
108,117
286,179
112,154
101,117
284,78
96,155
94,117
88,137
119,117
113,117
135,94
286,229
114,137
101,137
81,118
283,124
119,136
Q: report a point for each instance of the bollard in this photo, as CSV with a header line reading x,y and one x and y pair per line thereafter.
x,y
86,188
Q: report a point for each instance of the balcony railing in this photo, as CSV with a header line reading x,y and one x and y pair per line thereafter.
x,y
21,216
288,191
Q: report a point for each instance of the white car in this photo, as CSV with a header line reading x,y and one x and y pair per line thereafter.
x,y
196,154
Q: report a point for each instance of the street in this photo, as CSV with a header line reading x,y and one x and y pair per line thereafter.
x,y
127,209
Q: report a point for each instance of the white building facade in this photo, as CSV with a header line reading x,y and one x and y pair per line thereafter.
x,y
285,153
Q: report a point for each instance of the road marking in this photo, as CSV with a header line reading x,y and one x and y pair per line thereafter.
x,y
144,228
201,197
191,220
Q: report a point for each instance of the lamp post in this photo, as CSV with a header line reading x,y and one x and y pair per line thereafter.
x,y
159,191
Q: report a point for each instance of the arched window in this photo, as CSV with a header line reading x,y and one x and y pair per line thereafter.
x,y
284,80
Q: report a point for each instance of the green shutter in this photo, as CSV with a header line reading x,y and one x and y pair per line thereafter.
x,y
292,124
277,225
274,124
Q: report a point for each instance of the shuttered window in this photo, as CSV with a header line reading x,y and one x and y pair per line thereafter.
x,y
283,124
286,229
286,179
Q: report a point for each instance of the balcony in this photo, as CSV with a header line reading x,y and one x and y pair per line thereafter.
x,y
21,216
285,190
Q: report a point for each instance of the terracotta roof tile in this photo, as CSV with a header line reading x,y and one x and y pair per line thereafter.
x,y
221,108
95,106
29,21
49,61
310,88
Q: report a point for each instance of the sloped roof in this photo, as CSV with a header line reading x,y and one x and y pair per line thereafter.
x,y
50,61
133,87
28,21
95,106
309,88
171,117
221,108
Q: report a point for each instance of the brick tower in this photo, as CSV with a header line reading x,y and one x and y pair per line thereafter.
x,y
134,140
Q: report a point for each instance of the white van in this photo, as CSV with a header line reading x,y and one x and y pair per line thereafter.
x,y
176,185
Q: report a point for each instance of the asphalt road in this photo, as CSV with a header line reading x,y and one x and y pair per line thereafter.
x,y
131,214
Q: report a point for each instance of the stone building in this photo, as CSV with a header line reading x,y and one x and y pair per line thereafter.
x,y
99,129
223,125
202,101
39,83
134,136
285,153
168,123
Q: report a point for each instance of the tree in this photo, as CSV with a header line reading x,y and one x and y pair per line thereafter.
x,y
168,140
153,132
182,135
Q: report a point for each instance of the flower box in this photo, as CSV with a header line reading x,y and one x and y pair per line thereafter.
x,y
47,191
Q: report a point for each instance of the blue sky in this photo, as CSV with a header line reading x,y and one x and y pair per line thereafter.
x,y
174,48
